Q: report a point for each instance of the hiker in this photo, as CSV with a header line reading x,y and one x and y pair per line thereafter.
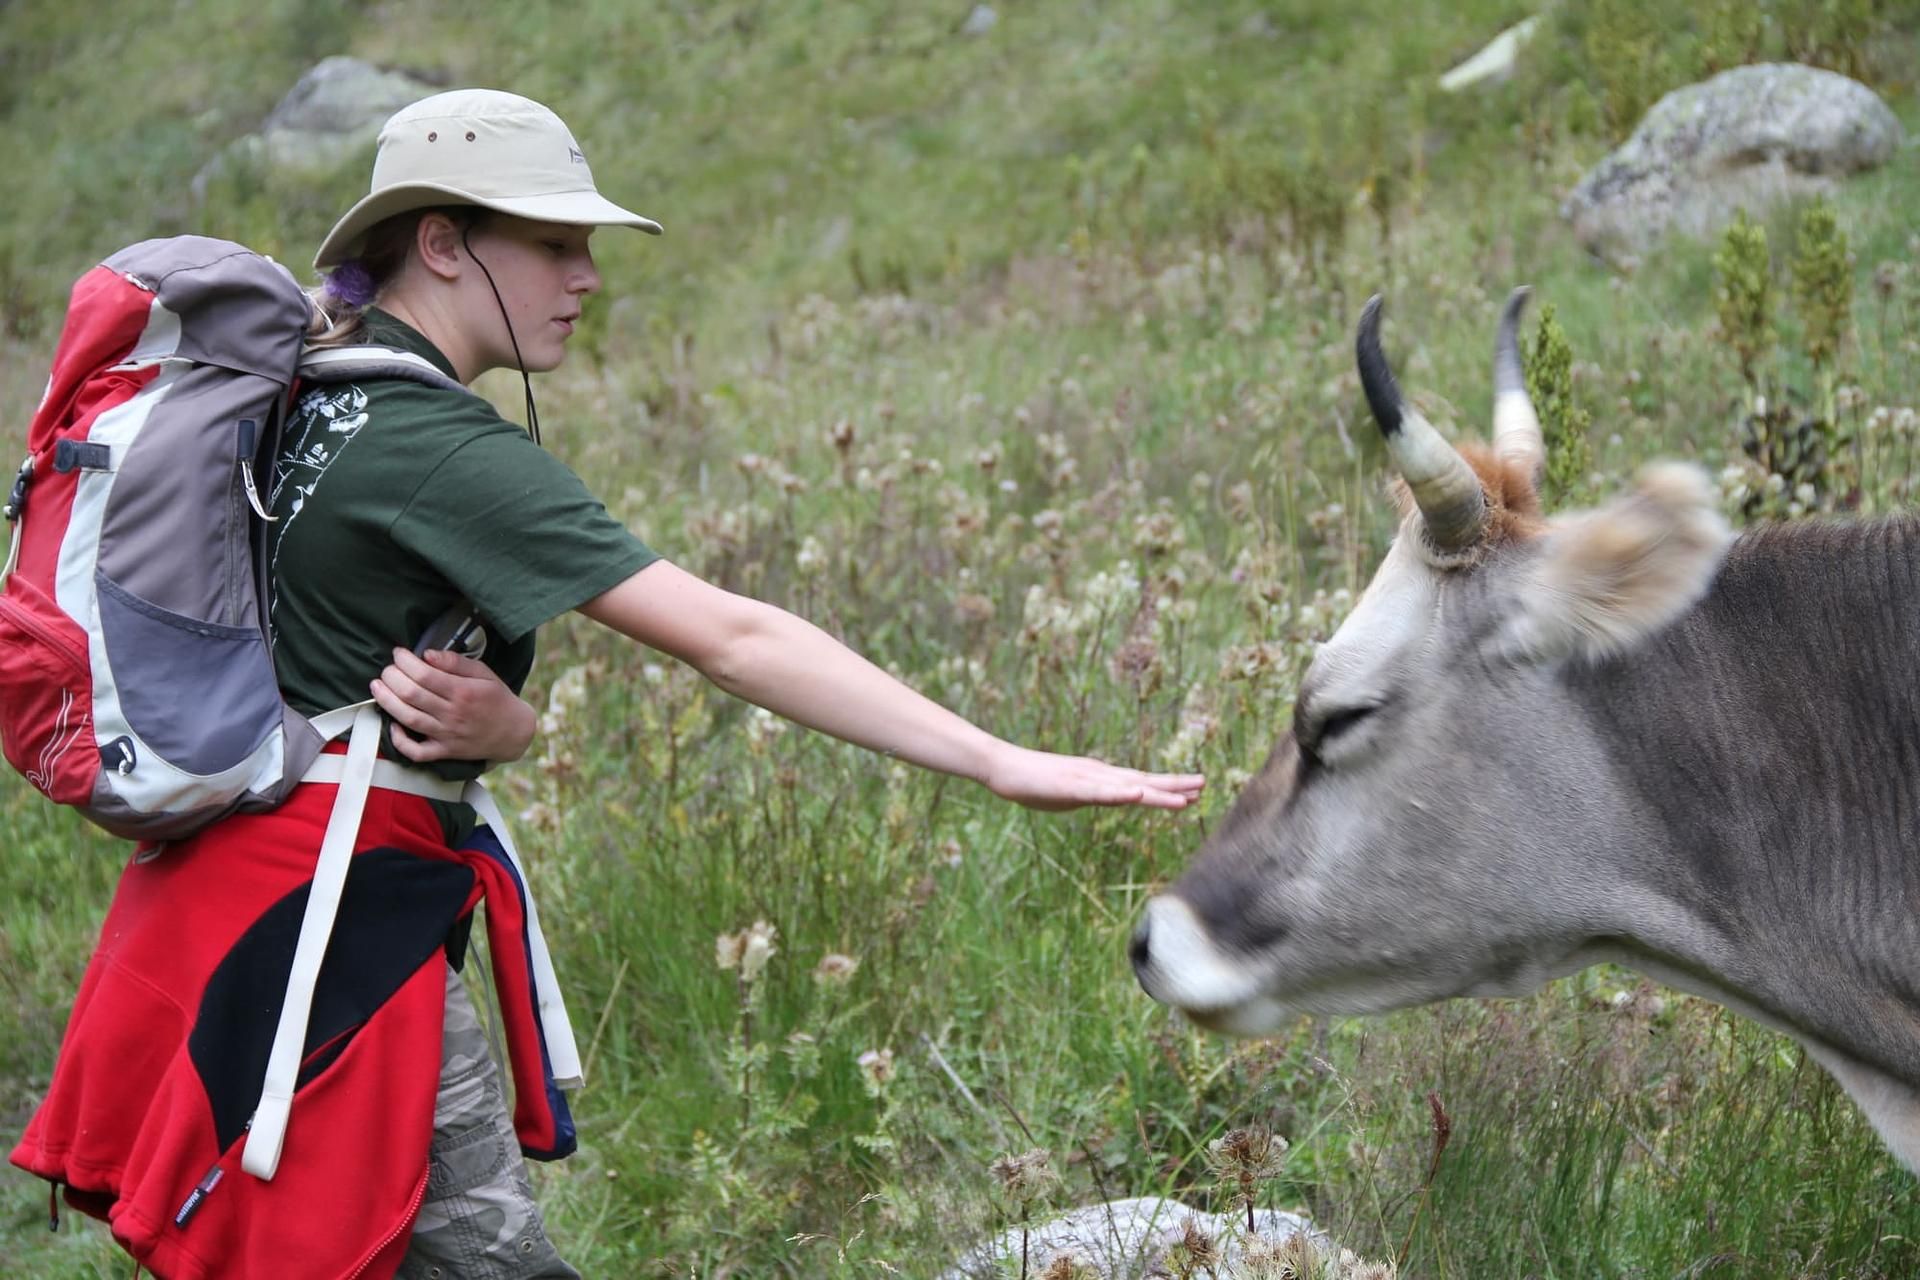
x,y
412,519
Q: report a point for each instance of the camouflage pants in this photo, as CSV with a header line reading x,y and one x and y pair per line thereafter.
x,y
479,1221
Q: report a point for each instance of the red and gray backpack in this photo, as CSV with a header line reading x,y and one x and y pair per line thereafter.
x,y
136,678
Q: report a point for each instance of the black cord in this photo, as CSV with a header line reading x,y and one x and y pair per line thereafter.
x,y
533,415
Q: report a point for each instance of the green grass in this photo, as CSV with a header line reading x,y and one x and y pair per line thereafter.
x,y
1181,470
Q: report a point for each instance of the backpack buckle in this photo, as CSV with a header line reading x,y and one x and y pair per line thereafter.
x,y
17,500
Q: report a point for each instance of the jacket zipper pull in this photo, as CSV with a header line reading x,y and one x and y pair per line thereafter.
x,y
198,1196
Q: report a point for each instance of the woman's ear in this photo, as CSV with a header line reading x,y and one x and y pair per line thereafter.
x,y
436,243
1604,580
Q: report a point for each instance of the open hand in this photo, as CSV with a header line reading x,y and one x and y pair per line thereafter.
x,y
1042,780
446,707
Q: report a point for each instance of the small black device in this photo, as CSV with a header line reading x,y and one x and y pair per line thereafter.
x,y
453,630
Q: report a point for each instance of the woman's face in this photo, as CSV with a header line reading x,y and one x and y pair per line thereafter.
x,y
544,270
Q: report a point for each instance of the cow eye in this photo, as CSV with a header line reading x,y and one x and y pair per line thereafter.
x,y
1340,721
1330,727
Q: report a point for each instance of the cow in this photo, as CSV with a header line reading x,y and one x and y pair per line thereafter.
x,y
1621,735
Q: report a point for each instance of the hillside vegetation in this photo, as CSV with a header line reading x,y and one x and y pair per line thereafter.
x,y
1022,361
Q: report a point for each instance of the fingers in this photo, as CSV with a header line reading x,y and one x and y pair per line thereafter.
x,y
1116,785
415,749
456,665
1060,782
1153,790
390,700
422,689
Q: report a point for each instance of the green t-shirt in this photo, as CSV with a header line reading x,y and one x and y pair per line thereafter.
x,y
393,501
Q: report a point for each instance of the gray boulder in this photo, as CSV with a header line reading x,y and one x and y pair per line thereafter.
x,y
1744,139
329,116
1123,1239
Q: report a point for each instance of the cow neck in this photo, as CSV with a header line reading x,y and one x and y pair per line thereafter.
x,y
1775,734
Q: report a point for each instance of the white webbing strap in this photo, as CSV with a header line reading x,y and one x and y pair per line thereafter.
x,y
13,553
331,724
563,1053
389,776
269,1126
355,773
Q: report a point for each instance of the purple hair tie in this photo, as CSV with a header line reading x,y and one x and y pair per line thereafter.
x,y
351,283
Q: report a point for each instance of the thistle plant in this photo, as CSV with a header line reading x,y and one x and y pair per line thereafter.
x,y
1799,453
1563,422
1195,1253
745,954
1822,293
1743,295
877,1071
1242,1159
1067,1266
1024,1184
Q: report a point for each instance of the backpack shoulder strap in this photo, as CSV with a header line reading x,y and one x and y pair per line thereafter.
x,y
350,364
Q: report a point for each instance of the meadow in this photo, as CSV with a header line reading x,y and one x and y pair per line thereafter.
x,y
1023,362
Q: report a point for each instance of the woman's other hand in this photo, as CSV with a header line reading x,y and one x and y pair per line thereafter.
x,y
446,707
1042,780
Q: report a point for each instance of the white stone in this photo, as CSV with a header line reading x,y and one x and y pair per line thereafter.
x,y
1495,62
1123,1239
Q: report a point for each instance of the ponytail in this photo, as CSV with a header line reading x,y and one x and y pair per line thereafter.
x,y
341,300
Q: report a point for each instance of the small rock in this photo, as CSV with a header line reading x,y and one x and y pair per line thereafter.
x,y
980,21
1496,62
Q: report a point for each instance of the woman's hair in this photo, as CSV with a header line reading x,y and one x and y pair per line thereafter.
x,y
340,300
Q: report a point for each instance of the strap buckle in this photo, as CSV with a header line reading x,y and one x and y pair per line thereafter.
x,y
17,499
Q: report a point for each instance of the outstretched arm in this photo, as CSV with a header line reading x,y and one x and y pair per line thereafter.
x,y
789,666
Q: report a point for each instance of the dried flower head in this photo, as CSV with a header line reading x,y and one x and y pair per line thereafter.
x,y
971,606
1196,1251
1067,1266
748,950
1299,1257
756,949
1026,1178
1262,1259
835,970
876,1066
1247,1153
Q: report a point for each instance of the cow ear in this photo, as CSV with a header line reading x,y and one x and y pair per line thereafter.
x,y
1603,580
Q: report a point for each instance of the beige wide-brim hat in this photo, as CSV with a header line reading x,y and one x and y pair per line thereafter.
x,y
482,147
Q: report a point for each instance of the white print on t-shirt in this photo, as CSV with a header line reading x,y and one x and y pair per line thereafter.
x,y
323,424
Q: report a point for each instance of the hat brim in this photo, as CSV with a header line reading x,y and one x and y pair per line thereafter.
x,y
574,208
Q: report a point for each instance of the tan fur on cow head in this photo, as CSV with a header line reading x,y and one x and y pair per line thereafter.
x,y
1513,508
1605,579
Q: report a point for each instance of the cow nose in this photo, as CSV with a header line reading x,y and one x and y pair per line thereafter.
x,y
1137,949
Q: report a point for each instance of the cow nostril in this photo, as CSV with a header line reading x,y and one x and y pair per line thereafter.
x,y
1137,946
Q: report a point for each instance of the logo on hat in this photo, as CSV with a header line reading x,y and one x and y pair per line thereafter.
x,y
577,157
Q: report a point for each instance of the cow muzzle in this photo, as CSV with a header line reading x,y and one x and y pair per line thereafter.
x,y
1178,963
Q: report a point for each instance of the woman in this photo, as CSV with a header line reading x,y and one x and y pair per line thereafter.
x,y
404,510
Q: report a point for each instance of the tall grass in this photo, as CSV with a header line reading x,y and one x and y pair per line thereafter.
x,y
941,352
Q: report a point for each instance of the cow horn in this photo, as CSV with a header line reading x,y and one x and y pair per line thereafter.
x,y
1516,427
1444,486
